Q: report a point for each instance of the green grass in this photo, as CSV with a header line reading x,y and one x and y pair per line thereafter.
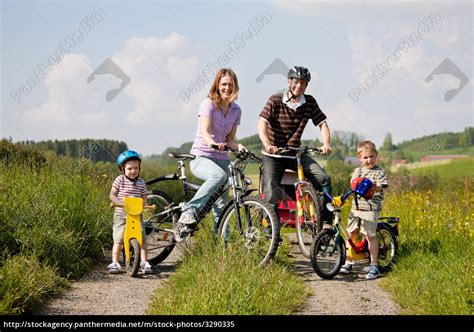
x,y
211,281
433,274
25,284
455,169
56,217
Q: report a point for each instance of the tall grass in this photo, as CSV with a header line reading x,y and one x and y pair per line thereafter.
x,y
212,281
435,266
55,216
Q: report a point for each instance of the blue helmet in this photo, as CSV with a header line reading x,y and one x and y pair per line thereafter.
x,y
126,156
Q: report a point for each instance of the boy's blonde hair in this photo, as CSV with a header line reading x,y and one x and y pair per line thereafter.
x,y
366,145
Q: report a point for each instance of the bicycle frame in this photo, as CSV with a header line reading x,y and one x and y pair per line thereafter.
x,y
236,181
288,218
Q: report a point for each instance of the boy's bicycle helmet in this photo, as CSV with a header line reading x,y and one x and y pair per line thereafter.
x,y
364,187
126,156
300,73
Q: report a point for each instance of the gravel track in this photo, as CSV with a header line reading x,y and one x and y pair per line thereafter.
x,y
100,293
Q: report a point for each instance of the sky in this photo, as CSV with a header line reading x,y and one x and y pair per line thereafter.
x,y
137,71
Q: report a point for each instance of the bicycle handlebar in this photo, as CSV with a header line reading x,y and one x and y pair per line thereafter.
x,y
301,149
146,207
239,154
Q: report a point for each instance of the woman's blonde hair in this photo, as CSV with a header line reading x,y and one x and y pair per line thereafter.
x,y
214,92
366,145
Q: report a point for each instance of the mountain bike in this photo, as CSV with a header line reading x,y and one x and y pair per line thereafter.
x,y
245,220
132,237
328,250
301,205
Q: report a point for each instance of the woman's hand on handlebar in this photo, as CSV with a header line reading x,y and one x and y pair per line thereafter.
x,y
241,148
219,146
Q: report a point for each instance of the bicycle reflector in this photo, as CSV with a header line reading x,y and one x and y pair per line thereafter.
x,y
365,188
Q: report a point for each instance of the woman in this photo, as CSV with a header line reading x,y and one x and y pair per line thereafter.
x,y
219,117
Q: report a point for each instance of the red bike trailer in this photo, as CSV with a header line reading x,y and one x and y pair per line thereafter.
x,y
286,207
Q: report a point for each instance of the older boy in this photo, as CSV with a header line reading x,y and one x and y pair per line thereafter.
x,y
368,210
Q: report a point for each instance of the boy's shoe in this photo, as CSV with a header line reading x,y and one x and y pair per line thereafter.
x,y
373,272
187,218
145,267
114,268
346,268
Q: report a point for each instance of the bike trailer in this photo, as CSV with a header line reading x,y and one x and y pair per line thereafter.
x,y
286,206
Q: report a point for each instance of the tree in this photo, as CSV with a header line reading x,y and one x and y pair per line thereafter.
x,y
465,138
388,143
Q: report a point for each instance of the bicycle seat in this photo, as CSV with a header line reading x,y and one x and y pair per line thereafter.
x,y
181,155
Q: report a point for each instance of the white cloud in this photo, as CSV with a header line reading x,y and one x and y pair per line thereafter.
x,y
147,113
70,104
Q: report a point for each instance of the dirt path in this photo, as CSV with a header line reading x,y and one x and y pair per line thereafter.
x,y
100,293
343,295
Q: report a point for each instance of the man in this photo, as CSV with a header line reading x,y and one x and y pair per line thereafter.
x,y
281,123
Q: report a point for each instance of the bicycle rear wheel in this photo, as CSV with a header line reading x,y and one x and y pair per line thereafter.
x,y
159,243
133,264
258,230
387,247
328,253
308,219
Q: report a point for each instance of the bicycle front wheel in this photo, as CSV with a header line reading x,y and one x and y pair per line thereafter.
x,y
159,243
308,219
387,247
328,253
133,263
254,226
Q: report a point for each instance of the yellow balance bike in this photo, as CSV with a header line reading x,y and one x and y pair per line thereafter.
x,y
132,237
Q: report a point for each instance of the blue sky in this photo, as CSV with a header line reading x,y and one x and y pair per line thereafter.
x,y
164,46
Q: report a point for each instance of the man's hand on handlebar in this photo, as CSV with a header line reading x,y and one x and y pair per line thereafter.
x,y
326,149
272,149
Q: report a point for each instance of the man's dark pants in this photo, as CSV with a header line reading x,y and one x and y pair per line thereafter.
x,y
273,169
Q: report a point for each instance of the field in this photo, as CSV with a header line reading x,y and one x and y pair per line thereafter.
x,y
55,222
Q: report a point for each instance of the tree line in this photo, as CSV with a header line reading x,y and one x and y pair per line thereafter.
x,y
93,149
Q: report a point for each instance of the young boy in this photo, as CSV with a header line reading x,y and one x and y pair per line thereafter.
x,y
129,184
369,209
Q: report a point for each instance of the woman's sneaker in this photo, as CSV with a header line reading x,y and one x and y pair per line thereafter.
x,y
373,272
346,268
145,267
114,268
187,218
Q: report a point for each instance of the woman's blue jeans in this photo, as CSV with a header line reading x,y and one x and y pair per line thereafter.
x,y
214,172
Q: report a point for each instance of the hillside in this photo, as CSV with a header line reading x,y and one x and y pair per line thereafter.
x,y
442,143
